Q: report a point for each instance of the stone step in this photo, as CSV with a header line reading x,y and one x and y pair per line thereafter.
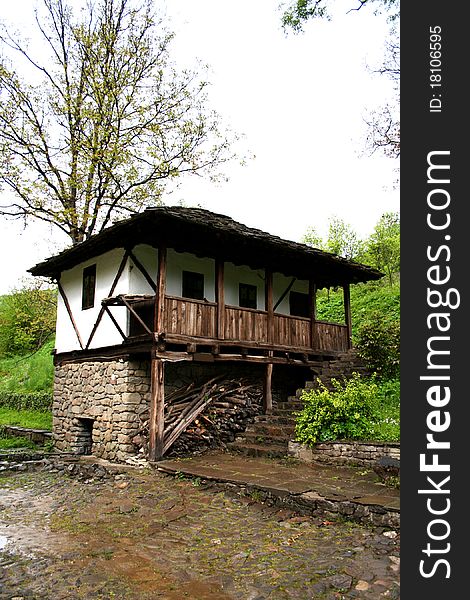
x,y
284,419
256,437
269,428
258,450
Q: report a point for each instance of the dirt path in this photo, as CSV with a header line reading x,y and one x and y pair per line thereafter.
x,y
143,536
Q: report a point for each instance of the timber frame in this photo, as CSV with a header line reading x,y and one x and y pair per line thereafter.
x,y
165,327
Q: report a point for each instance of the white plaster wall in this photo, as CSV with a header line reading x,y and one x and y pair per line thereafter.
x,y
177,262
148,257
280,284
107,266
234,275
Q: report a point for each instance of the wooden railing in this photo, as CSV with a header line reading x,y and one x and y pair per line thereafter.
x,y
198,318
245,324
190,317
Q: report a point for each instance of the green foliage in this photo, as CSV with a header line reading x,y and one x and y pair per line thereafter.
x,y
378,344
357,409
383,246
37,401
11,443
27,319
26,374
342,240
31,419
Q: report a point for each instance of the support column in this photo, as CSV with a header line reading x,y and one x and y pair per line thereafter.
x,y
312,309
267,392
347,313
220,298
160,291
157,404
268,290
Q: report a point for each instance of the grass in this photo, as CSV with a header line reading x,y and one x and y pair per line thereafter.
x,y
29,373
10,443
31,419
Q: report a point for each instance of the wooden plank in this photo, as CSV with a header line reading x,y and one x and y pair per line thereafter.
x,y
160,291
268,289
157,415
312,309
220,298
347,313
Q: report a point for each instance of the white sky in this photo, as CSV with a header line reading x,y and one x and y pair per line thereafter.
x,y
300,102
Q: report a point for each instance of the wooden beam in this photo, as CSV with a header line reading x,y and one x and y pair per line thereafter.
x,y
116,324
268,290
160,291
157,404
312,309
267,390
285,292
143,270
347,312
110,294
220,298
69,312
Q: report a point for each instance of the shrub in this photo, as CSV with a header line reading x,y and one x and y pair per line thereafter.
x,y
378,344
344,413
356,409
41,401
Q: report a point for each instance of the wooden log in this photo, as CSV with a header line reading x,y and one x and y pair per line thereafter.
x,y
267,391
157,404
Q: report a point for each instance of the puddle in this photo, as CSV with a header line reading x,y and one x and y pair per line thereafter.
x,y
3,541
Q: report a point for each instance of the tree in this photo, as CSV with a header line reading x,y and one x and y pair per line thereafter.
x,y
27,318
342,240
97,128
383,246
383,123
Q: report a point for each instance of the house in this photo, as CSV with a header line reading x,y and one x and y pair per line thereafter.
x,y
172,288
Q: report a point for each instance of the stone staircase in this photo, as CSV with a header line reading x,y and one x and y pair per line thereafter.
x,y
269,435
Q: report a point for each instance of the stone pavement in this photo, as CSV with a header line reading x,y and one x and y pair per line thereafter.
x,y
317,489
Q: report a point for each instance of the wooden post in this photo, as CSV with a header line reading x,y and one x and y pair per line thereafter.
x,y
347,312
160,291
157,404
312,309
220,298
267,395
268,290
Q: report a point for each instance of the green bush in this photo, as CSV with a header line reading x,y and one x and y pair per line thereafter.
x,y
378,344
356,409
33,373
27,319
41,401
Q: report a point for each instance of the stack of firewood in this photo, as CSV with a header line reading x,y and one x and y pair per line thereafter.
x,y
209,415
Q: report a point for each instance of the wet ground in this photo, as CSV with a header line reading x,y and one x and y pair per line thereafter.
x,y
145,535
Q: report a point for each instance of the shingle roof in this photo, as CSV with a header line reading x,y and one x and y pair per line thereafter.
x,y
206,233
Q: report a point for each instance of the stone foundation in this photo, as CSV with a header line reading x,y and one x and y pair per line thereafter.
x,y
97,407
345,453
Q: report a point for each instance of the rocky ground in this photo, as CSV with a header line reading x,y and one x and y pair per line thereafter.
x,y
143,535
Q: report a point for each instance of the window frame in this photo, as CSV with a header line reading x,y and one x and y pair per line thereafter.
x,y
301,297
190,289
88,287
248,288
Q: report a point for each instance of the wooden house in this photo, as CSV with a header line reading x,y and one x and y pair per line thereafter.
x,y
178,286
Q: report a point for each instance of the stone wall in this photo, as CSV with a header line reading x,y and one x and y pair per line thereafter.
x,y
97,407
345,453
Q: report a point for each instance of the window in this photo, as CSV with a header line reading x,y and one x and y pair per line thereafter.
x,y
299,304
193,285
88,287
247,295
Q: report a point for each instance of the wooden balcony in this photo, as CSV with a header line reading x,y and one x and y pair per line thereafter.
x,y
196,321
